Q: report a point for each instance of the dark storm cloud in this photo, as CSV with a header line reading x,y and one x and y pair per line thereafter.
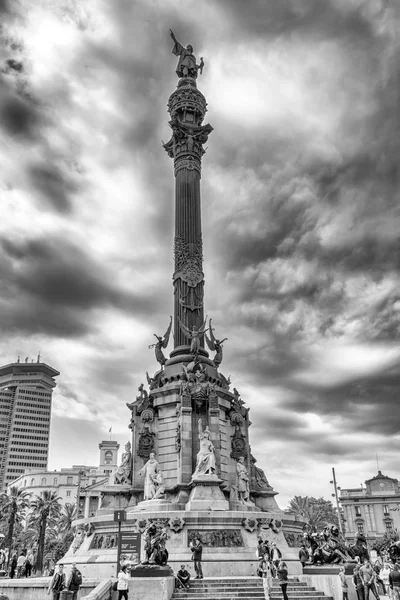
x,y
53,185
308,17
18,117
55,284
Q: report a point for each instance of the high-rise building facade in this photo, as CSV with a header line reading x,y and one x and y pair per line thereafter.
x,y
25,411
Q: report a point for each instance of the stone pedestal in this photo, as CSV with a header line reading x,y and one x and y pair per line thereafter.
x,y
115,497
206,494
152,571
159,504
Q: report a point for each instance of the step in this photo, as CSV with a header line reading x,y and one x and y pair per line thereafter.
x,y
247,583
229,595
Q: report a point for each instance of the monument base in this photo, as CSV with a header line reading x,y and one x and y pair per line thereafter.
x,y
151,571
158,504
206,494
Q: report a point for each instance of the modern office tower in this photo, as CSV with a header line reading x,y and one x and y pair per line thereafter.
x,y
25,410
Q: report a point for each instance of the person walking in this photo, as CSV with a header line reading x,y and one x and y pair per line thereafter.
x,y
13,567
275,556
384,576
283,579
28,564
379,582
197,550
183,578
74,581
57,583
21,564
344,584
122,584
303,555
267,579
358,583
394,582
367,575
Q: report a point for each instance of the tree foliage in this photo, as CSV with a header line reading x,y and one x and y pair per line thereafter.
x,y
13,508
46,510
318,512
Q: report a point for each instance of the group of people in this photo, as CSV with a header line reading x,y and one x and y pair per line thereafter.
x,y
20,565
182,577
270,566
367,578
61,581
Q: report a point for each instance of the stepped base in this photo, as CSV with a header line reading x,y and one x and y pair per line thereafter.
x,y
249,588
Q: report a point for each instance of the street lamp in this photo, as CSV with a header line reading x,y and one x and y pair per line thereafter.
x,y
336,488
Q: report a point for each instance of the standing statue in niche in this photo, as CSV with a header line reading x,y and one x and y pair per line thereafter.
x,y
205,464
162,342
124,472
243,481
194,336
215,345
187,66
150,471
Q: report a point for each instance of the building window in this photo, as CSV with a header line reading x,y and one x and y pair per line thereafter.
x,y
44,480
107,472
389,526
55,481
25,483
385,509
108,457
360,528
358,511
93,481
69,480
33,481
68,493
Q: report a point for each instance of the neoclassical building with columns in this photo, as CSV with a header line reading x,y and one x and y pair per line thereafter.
x,y
373,509
67,481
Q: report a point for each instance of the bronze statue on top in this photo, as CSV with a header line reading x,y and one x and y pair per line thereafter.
x,y
215,345
187,66
161,343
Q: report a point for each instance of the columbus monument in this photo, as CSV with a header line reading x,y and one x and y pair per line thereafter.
x,y
188,467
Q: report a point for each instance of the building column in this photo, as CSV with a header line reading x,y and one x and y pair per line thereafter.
x,y
86,509
373,521
367,519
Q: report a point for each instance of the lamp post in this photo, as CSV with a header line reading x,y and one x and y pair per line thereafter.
x,y
336,488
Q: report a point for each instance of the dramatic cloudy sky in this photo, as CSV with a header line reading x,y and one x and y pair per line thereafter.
x,y
301,216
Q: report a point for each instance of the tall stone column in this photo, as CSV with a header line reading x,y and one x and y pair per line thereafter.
x,y
187,107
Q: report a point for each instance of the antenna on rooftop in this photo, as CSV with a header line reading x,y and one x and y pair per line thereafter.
x,y
377,462
39,357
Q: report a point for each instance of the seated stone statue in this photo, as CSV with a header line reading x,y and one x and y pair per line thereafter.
x,y
159,485
124,472
206,455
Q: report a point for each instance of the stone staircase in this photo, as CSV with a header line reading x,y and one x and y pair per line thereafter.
x,y
247,588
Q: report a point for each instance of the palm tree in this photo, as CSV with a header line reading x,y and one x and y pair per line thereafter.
x,y
13,505
67,517
309,509
46,511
